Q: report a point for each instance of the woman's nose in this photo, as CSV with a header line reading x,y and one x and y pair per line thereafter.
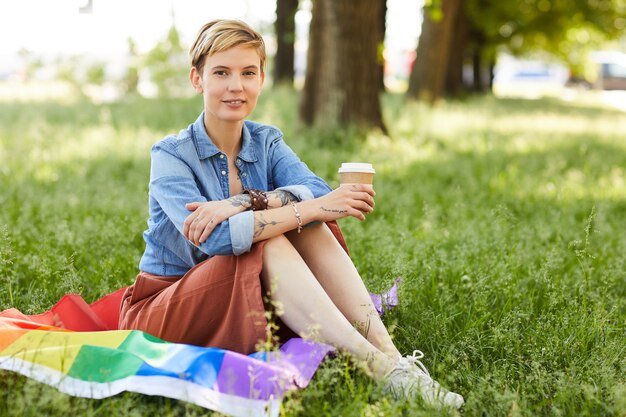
x,y
235,83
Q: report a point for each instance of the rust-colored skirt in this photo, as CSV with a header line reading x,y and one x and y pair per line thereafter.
x,y
217,303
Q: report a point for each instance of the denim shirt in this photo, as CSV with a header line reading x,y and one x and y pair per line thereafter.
x,y
189,167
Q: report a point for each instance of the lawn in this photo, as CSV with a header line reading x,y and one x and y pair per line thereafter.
x,y
506,220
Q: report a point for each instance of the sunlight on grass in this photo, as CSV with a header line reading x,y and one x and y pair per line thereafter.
x,y
507,136
86,145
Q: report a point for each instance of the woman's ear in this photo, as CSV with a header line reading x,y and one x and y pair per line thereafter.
x,y
196,80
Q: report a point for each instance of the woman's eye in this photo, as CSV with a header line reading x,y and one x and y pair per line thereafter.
x,y
220,73
249,73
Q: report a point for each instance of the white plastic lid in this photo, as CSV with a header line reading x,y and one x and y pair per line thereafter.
x,y
357,167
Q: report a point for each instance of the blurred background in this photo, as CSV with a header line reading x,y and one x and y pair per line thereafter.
x,y
108,50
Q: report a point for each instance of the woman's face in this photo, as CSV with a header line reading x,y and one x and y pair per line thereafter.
x,y
230,84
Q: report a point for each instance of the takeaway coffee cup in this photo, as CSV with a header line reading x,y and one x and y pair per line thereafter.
x,y
356,173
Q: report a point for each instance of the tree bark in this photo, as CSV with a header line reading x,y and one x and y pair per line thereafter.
x,y
285,27
341,87
382,16
433,51
310,97
453,86
491,73
477,69
483,65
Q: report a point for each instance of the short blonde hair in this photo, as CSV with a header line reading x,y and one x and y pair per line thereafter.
x,y
221,35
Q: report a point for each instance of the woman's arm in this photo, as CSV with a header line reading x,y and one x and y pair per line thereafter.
x,y
275,199
350,200
206,215
280,198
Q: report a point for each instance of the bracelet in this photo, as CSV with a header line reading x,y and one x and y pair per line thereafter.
x,y
298,218
258,199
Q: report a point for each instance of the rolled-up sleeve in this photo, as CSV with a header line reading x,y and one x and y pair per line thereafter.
x,y
241,232
301,192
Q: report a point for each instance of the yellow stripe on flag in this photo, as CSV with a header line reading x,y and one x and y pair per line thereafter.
x,y
57,350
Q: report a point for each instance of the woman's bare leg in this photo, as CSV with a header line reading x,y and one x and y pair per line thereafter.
x,y
307,308
334,270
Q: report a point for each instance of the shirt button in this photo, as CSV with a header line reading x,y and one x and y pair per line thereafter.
x,y
221,156
243,174
238,161
223,172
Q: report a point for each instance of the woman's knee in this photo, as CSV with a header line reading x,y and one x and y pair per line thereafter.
x,y
276,245
314,238
279,256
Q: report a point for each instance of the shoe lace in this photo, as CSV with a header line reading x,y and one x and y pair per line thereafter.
x,y
415,359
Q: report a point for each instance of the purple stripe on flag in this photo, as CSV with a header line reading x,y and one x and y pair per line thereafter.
x,y
268,375
387,300
303,357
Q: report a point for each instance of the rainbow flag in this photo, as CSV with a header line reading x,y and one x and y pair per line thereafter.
x,y
102,363
76,348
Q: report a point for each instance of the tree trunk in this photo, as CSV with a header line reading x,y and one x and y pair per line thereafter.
x,y
382,16
285,26
491,73
341,87
477,69
310,97
458,44
483,65
433,51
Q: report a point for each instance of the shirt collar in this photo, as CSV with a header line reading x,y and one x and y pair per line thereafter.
x,y
206,148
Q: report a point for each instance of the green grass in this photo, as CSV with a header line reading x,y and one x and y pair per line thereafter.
x,y
505,218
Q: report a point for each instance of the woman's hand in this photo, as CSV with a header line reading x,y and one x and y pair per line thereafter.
x,y
353,200
206,216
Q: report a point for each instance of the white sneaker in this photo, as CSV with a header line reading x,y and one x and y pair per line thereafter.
x,y
411,377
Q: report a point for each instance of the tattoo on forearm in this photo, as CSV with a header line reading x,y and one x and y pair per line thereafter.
x,y
244,200
332,210
261,224
285,197
240,200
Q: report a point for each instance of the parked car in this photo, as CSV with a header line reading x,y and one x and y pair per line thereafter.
x,y
529,79
611,71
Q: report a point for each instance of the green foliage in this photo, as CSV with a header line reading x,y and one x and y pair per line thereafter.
x,y
434,9
505,219
567,29
78,72
67,69
167,63
95,73
130,80
31,63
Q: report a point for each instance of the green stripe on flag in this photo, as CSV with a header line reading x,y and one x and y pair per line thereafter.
x,y
101,364
147,347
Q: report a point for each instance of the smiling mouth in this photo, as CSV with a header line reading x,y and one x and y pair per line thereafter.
x,y
234,101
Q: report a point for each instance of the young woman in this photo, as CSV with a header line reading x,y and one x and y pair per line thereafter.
x,y
235,214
